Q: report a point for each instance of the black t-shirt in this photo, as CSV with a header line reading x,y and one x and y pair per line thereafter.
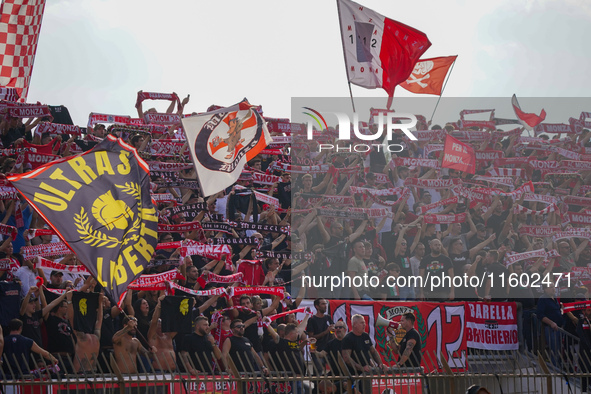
x,y
32,326
333,351
498,290
17,346
359,346
436,266
268,342
108,329
459,261
414,361
60,335
251,332
9,301
284,194
241,354
317,325
291,356
496,222
336,255
200,351
12,134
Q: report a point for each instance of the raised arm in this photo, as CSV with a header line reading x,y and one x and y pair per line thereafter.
x,y
155,317
52,304
358,231
99,317
481,245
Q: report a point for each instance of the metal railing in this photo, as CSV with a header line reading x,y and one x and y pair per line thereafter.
x,y
499,372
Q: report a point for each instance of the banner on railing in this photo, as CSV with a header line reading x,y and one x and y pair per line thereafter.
x,y
441,327
492,325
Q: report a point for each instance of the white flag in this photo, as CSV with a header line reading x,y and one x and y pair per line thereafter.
x,y
221,143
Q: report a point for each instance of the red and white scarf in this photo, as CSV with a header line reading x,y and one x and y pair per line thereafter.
x,y
160,118
521,209
572,233
95,118
8,230
276,291
146,280
539,231
283,314
498,180
429,148
45,250
211,277
394,191
410,161
141,96
504,172
432,183
163,166
56,128
445,219
515,257
425,208
29,111
262,197
540,198
50,265
216,252
265,179
373,213
575,200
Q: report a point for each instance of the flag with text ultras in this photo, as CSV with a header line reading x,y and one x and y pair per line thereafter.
x,y
99,204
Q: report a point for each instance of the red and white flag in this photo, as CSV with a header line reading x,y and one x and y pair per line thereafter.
x,y
428,75
529,121
458,156
222,141
379,52
20,24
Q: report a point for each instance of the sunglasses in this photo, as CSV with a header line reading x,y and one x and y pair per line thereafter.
x,y
239,326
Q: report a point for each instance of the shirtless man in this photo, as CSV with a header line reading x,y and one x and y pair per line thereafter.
x,y
164,360
126,346
88,345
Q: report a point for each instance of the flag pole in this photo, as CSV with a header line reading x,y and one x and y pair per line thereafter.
x,y
443,88
344,56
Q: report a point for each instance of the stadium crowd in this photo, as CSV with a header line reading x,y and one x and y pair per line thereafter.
x,y
295,211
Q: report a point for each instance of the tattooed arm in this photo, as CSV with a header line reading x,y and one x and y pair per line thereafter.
x,y
407,352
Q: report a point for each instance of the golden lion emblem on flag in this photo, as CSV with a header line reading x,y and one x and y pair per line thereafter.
x,y
83,306
111,214
184,306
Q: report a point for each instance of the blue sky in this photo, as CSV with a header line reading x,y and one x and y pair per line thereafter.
x,y
94,55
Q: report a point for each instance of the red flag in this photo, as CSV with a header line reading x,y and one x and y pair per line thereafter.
x,y
458,156
20,23
379,52
428,75
529,121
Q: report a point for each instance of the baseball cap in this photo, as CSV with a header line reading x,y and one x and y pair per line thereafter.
x,y
56,273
